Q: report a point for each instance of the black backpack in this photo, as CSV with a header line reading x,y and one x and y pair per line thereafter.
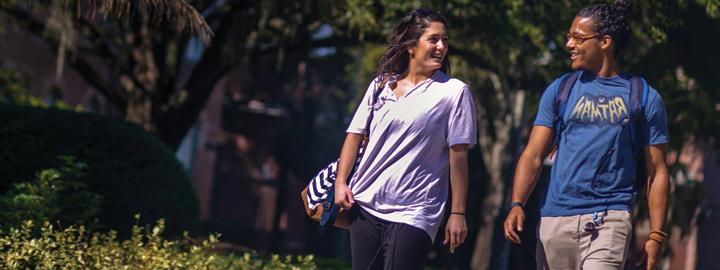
x,y
638,95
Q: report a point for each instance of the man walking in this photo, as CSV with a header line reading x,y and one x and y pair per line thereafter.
x,y
610,131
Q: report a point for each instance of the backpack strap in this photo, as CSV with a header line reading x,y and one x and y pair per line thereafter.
x,y
638,95
561,98
638,98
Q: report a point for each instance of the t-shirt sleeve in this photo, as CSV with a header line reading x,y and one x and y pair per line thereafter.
x,y
359,121
655,129
462,125
546,109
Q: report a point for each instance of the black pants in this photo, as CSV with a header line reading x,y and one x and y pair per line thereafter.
x,y
381,244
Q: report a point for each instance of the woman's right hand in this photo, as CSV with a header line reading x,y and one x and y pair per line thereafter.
x,y
343,196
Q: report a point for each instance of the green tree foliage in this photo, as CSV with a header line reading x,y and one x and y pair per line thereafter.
x,y
504,46
131,52
13,90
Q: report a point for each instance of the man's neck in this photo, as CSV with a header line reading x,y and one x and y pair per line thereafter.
x,y
609,68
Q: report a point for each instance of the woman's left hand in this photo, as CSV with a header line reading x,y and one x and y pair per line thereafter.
x,y
455,232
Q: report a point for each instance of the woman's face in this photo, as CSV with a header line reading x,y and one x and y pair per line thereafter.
x,y
431,48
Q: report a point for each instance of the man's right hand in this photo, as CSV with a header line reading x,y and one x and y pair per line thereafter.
x,y
514,224
343,196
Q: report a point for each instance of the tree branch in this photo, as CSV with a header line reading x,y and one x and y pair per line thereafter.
x,y
173,124
89,73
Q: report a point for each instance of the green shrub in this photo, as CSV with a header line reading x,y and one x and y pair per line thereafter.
x,y
55,194
131,169
75,248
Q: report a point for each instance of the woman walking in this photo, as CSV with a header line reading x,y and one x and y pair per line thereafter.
x,y
422,126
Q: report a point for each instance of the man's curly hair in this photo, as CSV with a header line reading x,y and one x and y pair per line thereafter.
x,y
612,20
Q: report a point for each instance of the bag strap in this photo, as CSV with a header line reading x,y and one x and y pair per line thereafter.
x,y
366,137
637,97
375,95
561,98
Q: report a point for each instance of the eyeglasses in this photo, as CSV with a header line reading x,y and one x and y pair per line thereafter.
x,y
578,39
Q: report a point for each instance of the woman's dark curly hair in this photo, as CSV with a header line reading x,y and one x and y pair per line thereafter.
x,y
612,20
407,33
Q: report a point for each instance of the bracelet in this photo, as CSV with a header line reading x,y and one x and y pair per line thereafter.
x,y
516,203
658,236
457,213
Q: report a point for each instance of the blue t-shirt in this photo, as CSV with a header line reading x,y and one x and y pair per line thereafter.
x,y
594,168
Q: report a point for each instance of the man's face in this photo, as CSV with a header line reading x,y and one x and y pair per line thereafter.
x,y
584,45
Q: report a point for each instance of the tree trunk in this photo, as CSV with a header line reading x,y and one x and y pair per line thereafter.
x,y
499,151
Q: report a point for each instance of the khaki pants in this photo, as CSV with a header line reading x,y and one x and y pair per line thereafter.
x,y
564,244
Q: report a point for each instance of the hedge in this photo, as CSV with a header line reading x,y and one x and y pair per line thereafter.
x,y
131,170
76,248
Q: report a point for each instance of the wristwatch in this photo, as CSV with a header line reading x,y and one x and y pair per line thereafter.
x,y
516,203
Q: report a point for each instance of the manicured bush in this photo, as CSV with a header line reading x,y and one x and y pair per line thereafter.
x,y
55,194
75,248
129,168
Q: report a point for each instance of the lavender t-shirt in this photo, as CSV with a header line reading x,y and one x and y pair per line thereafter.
x,y
403,176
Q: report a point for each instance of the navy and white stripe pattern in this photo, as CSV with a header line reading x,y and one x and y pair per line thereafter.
x,y
324,181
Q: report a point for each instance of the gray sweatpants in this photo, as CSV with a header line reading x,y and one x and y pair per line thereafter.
x,y
564,244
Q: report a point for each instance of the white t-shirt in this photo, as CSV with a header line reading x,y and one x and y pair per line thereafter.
x,y
404,173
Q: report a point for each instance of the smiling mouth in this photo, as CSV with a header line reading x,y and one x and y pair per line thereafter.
x,y
574,56
437,56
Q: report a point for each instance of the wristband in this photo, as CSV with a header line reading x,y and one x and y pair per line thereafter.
x,y
457,213
517,203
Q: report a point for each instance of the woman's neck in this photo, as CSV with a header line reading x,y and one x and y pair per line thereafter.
x,y
416,75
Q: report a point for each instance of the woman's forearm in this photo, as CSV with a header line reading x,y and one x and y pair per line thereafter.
x,y
458,177
347,157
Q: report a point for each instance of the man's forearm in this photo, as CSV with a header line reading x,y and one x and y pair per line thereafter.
x,y
658,185
526,175
658,193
